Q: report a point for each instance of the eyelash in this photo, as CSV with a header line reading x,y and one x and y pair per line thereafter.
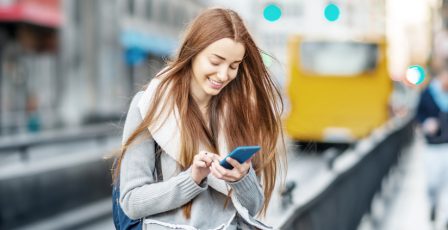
x,y
216,64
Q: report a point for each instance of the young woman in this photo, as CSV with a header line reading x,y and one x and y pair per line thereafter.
x,y
214,96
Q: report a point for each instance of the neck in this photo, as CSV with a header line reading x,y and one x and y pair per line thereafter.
x,y
202,102
200,97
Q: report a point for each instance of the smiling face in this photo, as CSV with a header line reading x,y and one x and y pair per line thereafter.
x,y
215,67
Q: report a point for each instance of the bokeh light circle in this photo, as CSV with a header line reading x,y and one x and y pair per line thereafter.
x,y
415,74
331,12
272,12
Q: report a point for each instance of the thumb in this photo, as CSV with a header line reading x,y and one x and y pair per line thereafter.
x,y
249,160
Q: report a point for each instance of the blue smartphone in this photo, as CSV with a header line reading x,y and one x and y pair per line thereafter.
x,y
241,154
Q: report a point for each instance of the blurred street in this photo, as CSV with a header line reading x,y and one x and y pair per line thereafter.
x,y
364,83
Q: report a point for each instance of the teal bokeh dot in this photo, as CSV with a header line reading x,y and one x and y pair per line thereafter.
x,y
272,12
331,12
415,74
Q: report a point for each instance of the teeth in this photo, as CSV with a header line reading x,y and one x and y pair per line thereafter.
x,y
215,82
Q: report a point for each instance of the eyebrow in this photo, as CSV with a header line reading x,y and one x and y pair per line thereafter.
x,y
222,58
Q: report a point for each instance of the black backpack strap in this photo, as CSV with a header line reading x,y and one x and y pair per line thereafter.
x,y
158,175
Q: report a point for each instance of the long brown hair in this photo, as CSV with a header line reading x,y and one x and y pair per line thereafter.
x,y
249,106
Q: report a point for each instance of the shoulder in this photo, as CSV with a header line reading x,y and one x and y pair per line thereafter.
x,y
133,117
135,99
133,114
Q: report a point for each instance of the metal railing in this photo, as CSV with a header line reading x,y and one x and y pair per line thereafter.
x,y
22,143
342,204
32,197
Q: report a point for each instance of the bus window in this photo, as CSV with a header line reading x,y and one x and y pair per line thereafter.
x,y
342,59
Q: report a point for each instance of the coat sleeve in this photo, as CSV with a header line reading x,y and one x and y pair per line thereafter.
x,y
248,192
140,195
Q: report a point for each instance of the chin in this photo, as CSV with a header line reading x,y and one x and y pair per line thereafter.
x,y
213,92
210,91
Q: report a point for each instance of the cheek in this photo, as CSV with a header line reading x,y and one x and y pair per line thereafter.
x,y
204,69
232,78
233,75
198,66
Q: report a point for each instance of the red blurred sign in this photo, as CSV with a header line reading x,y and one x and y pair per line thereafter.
x,y
40,12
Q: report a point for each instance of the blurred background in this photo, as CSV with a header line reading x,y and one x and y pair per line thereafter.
x,y
352,73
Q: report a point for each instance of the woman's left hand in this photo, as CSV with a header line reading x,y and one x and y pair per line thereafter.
x,y
230,175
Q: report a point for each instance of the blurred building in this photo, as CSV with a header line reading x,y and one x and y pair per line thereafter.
x,y
73,62
29,82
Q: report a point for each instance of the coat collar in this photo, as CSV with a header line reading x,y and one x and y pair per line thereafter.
x,y
166,132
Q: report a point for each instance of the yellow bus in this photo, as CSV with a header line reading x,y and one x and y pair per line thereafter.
x,y
338,90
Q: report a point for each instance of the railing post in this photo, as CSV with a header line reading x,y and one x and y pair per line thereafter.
x,y
24,156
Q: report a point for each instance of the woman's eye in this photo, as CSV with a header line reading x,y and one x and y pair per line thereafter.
x,y
234,67
214,63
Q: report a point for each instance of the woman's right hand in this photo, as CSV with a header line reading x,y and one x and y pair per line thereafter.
x,y
201,166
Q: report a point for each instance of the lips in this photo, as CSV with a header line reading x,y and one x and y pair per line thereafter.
x,y
215,84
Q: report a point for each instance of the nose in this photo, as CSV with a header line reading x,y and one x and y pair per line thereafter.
x,y
223,74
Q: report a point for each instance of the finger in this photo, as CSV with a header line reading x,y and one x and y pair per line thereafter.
x,y
201,164
229,176
233,175
209,155
245,169
218,168
201,153
248,160
215,172
215,157
223,171
217,175
228,179
240,171
235,164
207,159
203,156
231,179
206,153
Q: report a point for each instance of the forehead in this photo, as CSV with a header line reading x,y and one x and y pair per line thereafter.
x,y
226,48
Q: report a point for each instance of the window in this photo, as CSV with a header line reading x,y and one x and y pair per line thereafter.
x,y
338,58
